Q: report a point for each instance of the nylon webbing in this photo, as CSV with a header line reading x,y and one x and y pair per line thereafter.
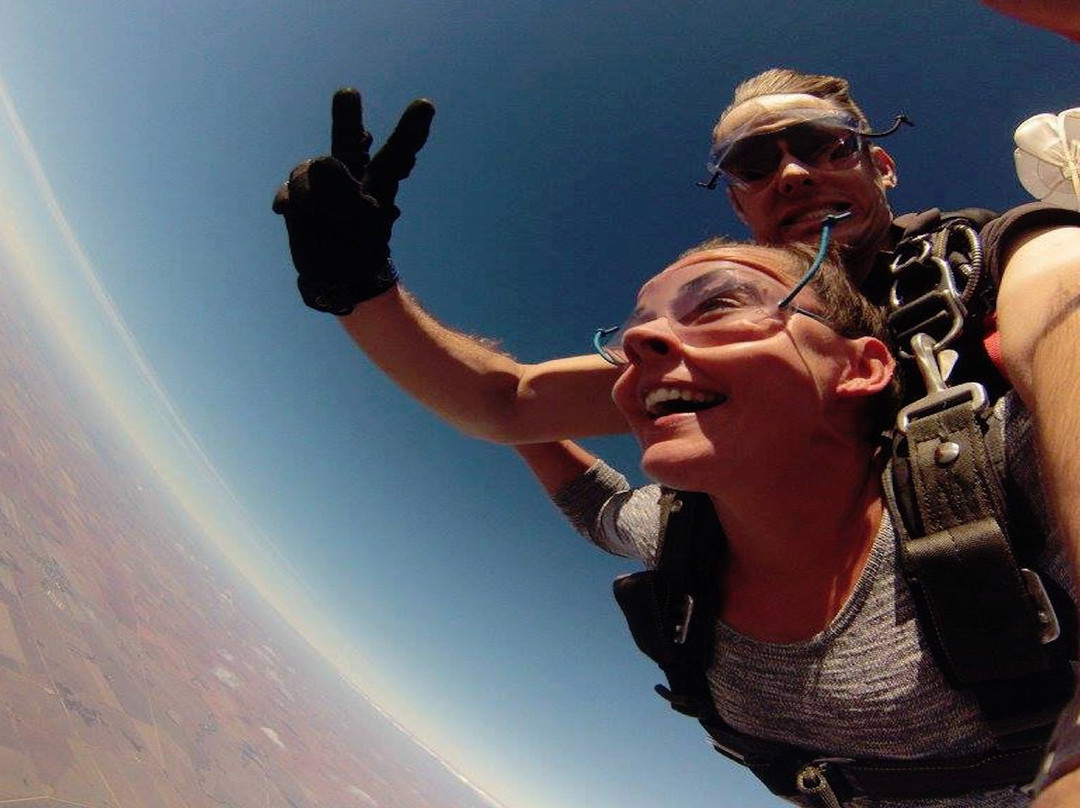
x,y
670,609
963,567
946,488
776,765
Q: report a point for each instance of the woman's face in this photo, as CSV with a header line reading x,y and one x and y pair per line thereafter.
x,y
717,377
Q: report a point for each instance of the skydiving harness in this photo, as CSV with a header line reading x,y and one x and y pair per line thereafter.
x,y
965,547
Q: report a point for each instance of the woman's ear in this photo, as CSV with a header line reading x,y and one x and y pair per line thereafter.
x,y
869,370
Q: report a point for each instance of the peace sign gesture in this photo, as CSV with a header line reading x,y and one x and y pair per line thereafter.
x,y
339,210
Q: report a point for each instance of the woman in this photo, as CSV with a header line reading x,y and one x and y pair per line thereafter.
x,y
769,398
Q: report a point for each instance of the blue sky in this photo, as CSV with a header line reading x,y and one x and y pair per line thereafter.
x,y
559,175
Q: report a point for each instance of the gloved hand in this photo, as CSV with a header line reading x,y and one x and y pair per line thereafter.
x,y
339,210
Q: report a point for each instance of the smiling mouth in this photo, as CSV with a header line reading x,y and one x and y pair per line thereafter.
x,y
816,215
669,400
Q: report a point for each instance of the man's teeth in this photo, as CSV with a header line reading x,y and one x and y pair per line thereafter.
x,y
666,400
816,215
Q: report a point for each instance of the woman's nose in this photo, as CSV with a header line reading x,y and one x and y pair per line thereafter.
x,y
649,340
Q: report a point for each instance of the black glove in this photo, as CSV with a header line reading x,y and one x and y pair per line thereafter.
x,y
339,210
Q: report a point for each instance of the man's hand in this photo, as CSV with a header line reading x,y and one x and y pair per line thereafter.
x,y
339,210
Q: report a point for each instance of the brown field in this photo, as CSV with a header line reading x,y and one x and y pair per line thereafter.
x,y
136,669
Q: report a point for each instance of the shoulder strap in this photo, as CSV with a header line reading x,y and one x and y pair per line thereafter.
x,y
670,609
990,621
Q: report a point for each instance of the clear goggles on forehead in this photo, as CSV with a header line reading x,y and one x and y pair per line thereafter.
x,y
712,306
751,154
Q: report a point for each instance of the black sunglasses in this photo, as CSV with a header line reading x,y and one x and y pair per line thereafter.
x,y
751,160
756,158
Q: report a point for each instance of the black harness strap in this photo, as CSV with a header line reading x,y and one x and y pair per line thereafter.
x,y
782,768
980,609
989,620
671,609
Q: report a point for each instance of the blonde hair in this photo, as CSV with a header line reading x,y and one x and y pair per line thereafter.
x,y
781,80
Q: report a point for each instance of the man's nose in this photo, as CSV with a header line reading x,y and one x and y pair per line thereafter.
x,y
792,175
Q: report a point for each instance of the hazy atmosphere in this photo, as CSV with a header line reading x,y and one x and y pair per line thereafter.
x,y
140,148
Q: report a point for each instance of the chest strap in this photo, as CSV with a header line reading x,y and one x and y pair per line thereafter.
x,y
792,771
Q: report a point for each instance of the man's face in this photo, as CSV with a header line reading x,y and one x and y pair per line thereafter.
x,y
790,204
731,381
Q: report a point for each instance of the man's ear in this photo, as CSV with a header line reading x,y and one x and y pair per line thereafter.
x,y
869,370
885,166
735,204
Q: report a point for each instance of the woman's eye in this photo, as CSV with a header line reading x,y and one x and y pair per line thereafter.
x,y
717,304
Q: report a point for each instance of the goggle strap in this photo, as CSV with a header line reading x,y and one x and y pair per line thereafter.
x,y
714,180
599,342
898,121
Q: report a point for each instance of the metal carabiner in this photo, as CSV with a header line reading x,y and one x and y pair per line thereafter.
x,y
938,394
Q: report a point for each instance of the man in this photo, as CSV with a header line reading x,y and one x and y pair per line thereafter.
x,y
340,210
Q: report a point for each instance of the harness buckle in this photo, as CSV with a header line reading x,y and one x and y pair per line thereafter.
x,y
1049,626
938,394
682,629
